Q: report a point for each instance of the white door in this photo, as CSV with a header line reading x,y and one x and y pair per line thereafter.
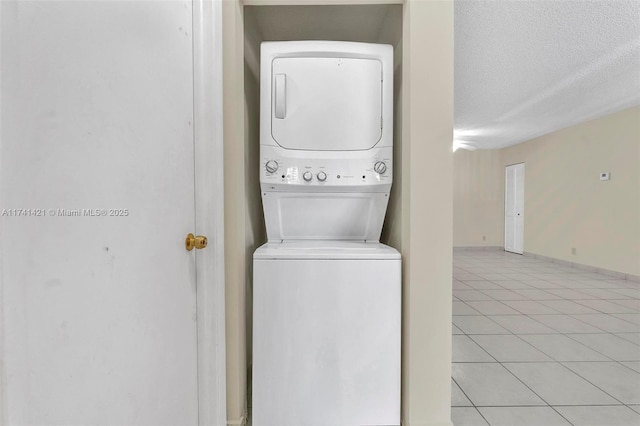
x,y
97,195
514,209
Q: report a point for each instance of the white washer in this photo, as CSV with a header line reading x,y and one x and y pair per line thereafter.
x,y
326,293
326,334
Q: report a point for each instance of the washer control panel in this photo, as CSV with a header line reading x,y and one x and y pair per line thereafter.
x,y
271,166
326,172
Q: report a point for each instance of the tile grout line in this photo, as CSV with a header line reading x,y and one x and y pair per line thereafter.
x,y
519,335
558,271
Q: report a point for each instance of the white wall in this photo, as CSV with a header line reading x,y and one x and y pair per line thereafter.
x,y
235,211
478,198
566,205
254,222
425,229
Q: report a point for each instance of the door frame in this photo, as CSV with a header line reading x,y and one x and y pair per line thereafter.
x,y
209,209
504,215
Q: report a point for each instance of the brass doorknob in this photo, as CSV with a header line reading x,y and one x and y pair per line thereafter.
x,y
192,241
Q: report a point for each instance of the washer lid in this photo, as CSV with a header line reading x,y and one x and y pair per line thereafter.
x,y
326,103
326,250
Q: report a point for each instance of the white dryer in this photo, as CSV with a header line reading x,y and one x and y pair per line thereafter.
x,y
326,293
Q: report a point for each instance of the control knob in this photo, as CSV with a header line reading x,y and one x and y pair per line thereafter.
x,y
380,167
271,166
322,176
307,176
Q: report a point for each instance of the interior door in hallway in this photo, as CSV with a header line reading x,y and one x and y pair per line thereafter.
x,y
97,195
514,209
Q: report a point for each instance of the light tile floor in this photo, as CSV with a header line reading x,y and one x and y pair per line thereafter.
x,y
537,343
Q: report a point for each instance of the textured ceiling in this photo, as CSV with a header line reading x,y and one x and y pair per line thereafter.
x,y
527,68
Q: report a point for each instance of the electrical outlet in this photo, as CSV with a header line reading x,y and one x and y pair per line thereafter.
x,y
484,238
573,250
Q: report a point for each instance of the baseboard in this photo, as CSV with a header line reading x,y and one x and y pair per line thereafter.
x,y
449,423
588,268
474,248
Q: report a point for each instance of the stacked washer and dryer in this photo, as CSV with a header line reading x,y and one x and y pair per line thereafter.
x,y
326,293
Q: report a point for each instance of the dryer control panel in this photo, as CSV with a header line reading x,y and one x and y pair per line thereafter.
x,y
278,167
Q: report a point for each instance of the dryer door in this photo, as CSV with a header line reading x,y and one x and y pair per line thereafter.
x,y
326,104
